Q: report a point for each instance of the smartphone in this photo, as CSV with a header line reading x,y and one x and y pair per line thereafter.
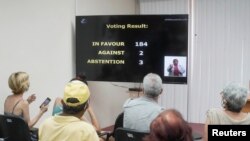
x,y
45,102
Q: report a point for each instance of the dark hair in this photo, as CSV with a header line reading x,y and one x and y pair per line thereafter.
x,y
169,126
175,60
74,109
81,77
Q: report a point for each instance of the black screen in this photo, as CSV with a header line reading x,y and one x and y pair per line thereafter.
x,y
125,48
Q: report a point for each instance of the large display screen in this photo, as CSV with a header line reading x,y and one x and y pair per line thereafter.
x,y
124,48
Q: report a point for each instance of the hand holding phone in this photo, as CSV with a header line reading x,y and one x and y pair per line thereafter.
x,y
45,102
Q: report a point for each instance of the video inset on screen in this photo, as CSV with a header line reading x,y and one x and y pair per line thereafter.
x,y
175,66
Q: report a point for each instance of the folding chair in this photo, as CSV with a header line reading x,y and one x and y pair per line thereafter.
x,y
118,123
13,128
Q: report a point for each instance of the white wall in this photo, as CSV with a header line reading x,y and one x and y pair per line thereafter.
x,y
106,7
163,6
36,37
220,51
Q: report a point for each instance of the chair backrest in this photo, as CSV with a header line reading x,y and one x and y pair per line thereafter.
x,y
196,136
119,121
13,128
125,134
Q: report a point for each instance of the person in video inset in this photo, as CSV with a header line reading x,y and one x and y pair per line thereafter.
x,y
15,104
68,125
169,126
233,99
139,112
175,69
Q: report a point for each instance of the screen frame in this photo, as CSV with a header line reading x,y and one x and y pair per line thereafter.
x,y
166,79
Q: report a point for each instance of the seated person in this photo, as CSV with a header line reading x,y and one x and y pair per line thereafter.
x,y
57,108
139,112
233,98
68,125
169,126
15,104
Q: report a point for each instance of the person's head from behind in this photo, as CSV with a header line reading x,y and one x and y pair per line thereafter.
x,y
175,62
75,99
81,77
234,97
19,82
152,85
169,126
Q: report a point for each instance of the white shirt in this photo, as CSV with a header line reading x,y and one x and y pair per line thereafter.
x,y
140,112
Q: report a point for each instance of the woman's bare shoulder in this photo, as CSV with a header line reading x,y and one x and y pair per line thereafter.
x,y
58,100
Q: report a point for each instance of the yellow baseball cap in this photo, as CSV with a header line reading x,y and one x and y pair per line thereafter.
x,y
78,90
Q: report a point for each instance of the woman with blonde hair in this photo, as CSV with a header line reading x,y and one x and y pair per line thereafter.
x,y
15,104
